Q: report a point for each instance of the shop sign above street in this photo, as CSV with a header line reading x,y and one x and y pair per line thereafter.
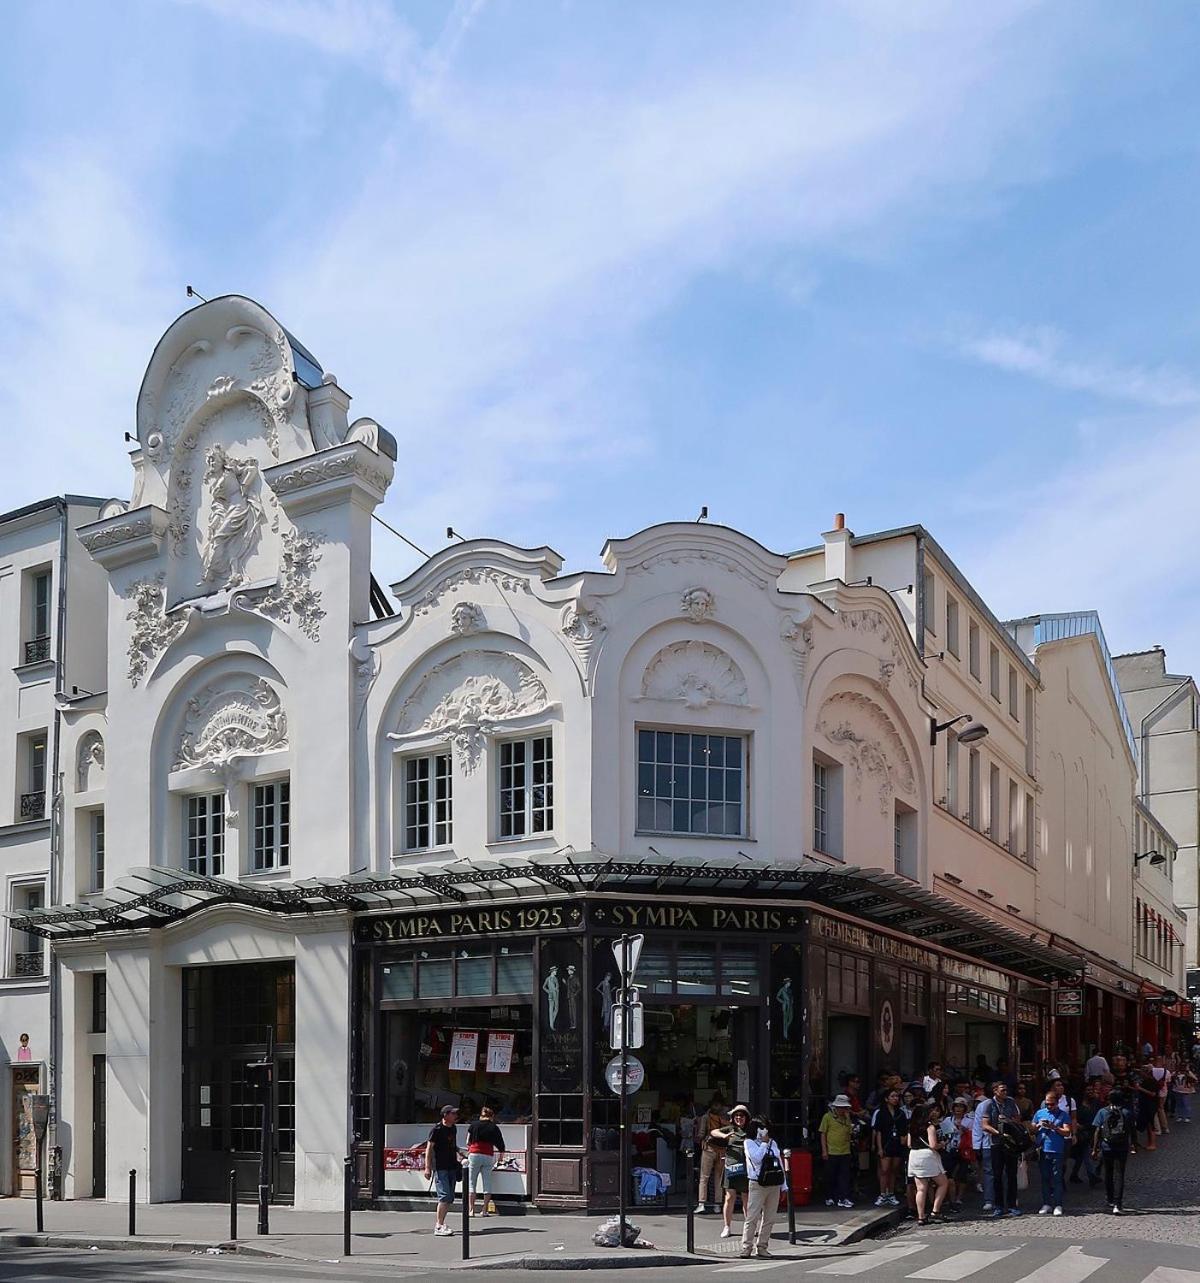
x,y
635,1074
1068,1002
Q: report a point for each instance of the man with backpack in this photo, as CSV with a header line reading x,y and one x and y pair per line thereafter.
x,y
1115,1125
1009,1140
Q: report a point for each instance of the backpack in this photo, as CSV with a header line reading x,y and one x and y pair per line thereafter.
x,y
770,1172
1114,1130
1013,1136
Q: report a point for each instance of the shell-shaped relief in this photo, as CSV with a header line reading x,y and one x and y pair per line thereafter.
x,y
695,674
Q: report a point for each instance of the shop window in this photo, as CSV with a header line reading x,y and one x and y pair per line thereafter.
x,y
463,971
697,971
397,983
526,787
272,841
827,806
739,972
847,979
205,834
435,978
655,973
428,802
691,783
913,995
473,971
560,1120
514,972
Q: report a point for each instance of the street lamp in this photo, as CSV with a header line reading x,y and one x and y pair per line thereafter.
x,y
968,735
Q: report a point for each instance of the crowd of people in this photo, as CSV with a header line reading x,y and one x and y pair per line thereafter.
x,y
933,1143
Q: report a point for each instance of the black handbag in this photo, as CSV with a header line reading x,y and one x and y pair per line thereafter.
x,y
770,1172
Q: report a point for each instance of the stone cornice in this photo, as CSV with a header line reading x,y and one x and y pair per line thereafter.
x,y
126,537
350,471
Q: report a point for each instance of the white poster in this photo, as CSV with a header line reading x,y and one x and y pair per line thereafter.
x,y
464,1049
743,1080
500,1053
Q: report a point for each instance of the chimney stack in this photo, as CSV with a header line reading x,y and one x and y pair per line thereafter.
x,y
838,553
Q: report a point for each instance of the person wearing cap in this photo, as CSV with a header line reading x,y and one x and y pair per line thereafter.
x,y
736,1178
837,1130
443,1161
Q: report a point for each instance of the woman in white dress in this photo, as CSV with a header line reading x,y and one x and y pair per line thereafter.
x,y
925,1162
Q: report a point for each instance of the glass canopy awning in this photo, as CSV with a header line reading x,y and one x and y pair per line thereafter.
x,y
155,897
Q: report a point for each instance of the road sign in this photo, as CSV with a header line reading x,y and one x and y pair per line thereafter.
x,y
637,1024
627,950
635,1074
1068,1002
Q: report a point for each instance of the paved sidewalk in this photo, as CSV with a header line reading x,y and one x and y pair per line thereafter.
x,y
404,1239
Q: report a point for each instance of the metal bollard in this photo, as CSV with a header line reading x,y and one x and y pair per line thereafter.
x,y
132,1201
232,1205
466,1202
347,1201
690,1157
37,1176
791,1198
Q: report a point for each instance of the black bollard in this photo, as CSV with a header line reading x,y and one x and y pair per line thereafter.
x,y
690,1157
132,1201
232,1205
791,1198
347,1201
466,1202
37,1176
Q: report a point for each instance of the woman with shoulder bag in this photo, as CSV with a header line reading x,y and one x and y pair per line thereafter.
x,y
925,1163
767,1179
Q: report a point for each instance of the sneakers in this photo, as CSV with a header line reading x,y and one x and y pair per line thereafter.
x,y
746,1253
988,1207
701,1208
831,1202
997,1213
883,1200
1013,1211
893,1201
725,1231
443,1231
762,1251
845,1203
1058,1211
1116,1211
1044,1210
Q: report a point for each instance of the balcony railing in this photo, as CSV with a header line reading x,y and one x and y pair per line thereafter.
x,y
29,964
33,806
37,650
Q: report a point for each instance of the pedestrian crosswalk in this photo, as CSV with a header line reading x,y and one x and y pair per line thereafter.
x,y
1072,1264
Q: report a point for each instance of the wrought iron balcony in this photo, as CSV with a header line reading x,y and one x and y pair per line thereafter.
x,y
37,650
29,964
33,806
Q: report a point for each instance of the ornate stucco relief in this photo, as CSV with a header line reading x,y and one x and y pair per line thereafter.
x,y
698,604
505,583
469,697
466,618
367,664
235,516
127,531
796,633
294,597
582,626
223,723
314,471
89,762
696,674
871,623
872,744
153,629
179,511
697,557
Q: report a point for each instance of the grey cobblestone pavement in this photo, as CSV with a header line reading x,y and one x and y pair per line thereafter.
x,y
1162,1202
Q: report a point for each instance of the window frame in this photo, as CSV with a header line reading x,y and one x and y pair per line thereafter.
x,y
974,790
1014,694
439,765
279,825
654,763
201,855
39,628
21,888
929,603
953,768
96,850
994,671
974,650
952,622
528,811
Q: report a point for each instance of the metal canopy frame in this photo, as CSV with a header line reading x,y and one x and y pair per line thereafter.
x,y
156,897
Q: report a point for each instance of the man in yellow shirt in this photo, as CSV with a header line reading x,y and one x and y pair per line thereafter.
x,y
837,1130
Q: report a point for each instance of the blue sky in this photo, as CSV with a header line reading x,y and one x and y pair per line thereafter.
x,y
595,265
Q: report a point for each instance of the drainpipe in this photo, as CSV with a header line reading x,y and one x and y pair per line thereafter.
x,y
54,888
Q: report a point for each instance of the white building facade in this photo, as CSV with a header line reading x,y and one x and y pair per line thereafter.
x,y
389,851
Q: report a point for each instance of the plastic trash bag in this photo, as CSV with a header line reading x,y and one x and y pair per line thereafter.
x,y
608,1234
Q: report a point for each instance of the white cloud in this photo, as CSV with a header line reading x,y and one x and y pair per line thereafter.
x,y
1038,354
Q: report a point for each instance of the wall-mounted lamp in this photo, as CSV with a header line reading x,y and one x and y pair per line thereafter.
x,y
1156,858
968,735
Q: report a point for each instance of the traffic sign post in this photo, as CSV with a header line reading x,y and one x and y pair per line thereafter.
x,y
628,1022
627,950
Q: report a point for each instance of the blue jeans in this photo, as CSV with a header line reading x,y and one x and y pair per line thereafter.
x,y
1052,1179
1183,1105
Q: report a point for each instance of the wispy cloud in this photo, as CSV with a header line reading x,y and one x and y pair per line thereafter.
x,y
1041,353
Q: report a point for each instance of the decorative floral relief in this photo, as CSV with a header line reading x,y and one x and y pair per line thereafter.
x,y
318,470
272,385
698,604
796,633
870,623
471,575
466,698
582,626
153,629
179,520
466,618
294,596
873,744
234,516
367,664
139,528
703,558
223,724
222,384
695,674
89,762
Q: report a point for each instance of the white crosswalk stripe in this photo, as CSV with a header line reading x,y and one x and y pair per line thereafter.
x,y
962,1265
1071,1266
1164,1274
851,1265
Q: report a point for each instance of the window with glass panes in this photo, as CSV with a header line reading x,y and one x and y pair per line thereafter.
x,y
526,787
41,606
428,804
690,783
271,842
204,838
820,806
97,836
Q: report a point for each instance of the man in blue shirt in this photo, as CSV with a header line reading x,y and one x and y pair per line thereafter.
x,y
1052,1131
981,1143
